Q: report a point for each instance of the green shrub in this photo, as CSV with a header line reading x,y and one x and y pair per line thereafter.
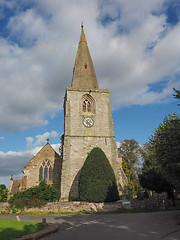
x,y
35,197
3,193
97,181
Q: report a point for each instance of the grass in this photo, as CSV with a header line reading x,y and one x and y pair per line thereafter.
x,y
84,212
10,229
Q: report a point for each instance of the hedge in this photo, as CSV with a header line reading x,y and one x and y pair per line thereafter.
x,y
97,181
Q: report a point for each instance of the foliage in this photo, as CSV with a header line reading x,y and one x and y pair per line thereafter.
x,y
161,169
35,197
3,193
132,154
97,181
152,176
10,229
177,94
128,175
61,145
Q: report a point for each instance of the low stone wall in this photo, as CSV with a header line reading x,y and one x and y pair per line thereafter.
x,y
78,207
149,203
3,206
152,203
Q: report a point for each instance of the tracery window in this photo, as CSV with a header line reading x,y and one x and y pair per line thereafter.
x,y
45,171
88,104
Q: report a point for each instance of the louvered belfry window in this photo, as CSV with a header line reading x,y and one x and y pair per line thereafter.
x,y
88,104
45,171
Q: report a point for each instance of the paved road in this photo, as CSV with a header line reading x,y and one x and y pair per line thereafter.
x,y
139,226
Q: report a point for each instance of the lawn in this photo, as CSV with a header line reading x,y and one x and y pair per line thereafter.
x,y
10,229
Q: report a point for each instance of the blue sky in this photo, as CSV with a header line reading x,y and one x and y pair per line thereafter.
x,y
135,47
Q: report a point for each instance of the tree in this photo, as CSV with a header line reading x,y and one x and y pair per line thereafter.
x,y
161,169
152,176
177,94
97,182
3,193
132,154
131,151
127,172
61,145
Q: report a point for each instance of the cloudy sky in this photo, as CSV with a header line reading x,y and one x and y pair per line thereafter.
x,y
135,47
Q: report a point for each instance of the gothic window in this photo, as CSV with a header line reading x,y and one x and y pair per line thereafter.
x,y
45,171
50,173
88,103
41,173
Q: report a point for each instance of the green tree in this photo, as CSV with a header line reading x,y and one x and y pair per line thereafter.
x,y
152,176
3,193
177,94
97,182
161,169
61,145
129,178
132,153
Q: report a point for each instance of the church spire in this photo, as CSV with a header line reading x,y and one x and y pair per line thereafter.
x,y
84,76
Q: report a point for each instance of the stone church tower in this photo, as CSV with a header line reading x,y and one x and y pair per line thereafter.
x,y
88,123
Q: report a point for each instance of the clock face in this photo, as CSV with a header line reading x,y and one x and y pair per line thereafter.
x,y
88,122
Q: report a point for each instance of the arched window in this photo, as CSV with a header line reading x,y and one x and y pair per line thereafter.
x,y
50,173
41,173
46,171
88,104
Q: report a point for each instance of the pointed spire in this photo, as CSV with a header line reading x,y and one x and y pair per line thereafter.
x,y
84,76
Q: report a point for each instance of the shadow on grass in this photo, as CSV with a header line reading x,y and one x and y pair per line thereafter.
x,y
10,233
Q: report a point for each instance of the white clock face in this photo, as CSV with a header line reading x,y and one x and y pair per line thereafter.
x,y
88,122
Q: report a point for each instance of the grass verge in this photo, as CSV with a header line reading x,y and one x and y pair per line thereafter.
x,y
84,212
10,229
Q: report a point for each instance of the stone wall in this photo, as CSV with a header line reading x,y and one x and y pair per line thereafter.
x,y
3,206
147,204
79,140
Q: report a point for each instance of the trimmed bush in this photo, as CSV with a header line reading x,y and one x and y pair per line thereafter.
x,y
97,181
35,196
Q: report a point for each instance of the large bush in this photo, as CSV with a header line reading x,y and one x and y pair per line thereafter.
x,y
3,193
35,197
97,181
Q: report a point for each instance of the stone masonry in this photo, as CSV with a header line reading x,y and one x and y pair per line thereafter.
x,y
79,138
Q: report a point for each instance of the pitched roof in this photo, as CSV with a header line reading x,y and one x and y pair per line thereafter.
x,y
84,76
46,150
15,186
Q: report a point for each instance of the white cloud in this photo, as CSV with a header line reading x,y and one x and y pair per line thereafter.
x,y
54,134
131,52
40,139
28,27
29,141
2,138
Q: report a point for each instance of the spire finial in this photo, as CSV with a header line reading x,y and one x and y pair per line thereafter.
x,y
82,24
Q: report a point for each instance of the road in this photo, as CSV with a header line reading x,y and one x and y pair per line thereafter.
x,y
145,226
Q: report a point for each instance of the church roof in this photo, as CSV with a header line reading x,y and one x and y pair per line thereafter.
x,y
84,76
45,152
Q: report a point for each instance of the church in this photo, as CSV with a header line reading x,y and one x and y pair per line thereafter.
x,y
88,123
